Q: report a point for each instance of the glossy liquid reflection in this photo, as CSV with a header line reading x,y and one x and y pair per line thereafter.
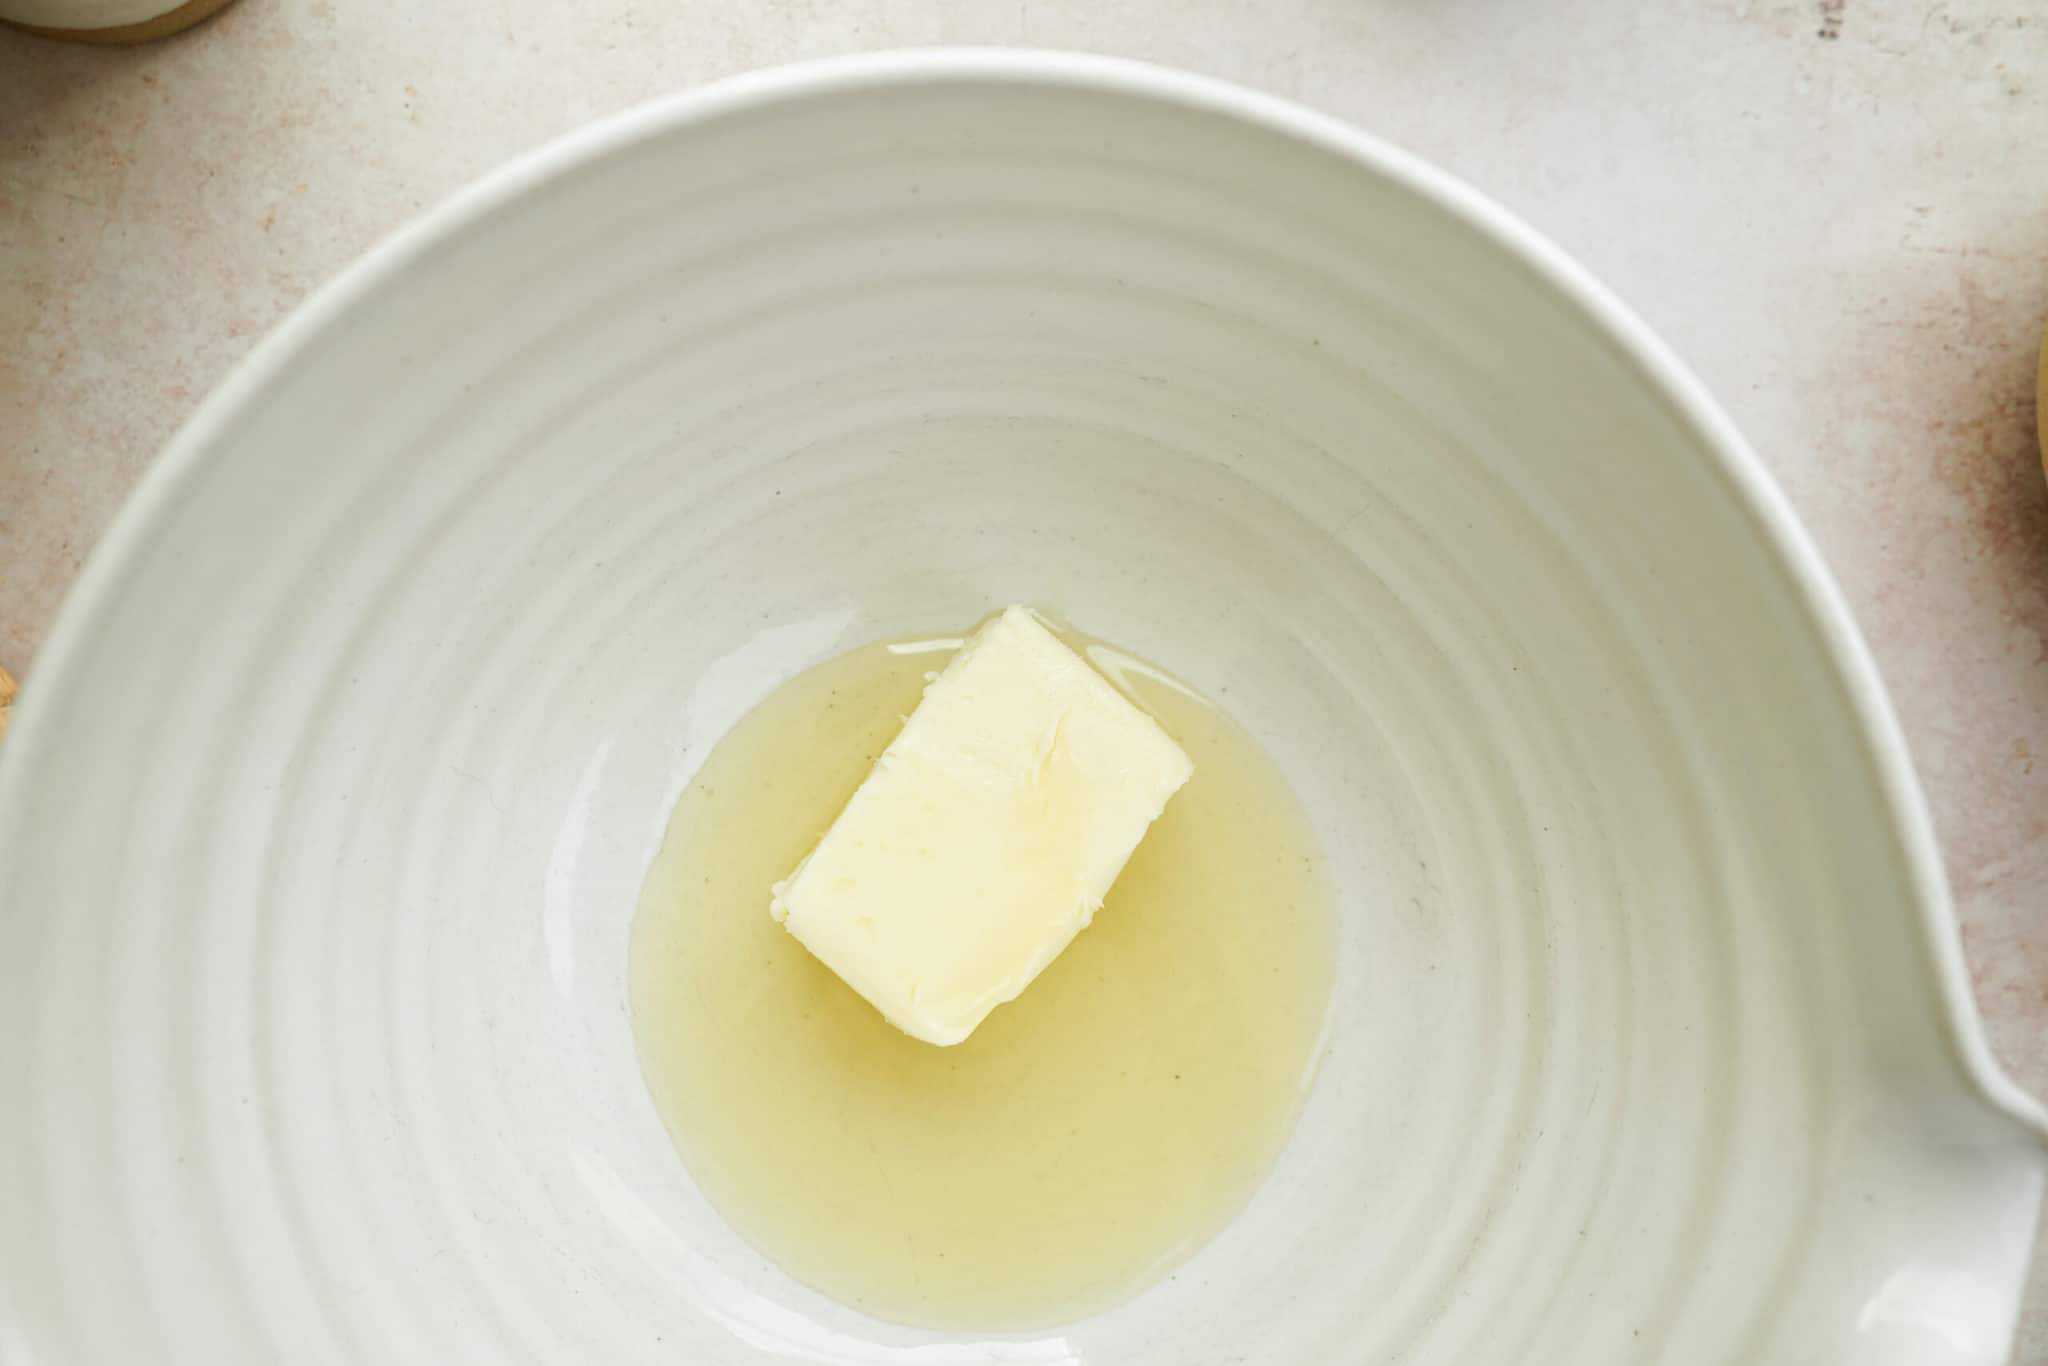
x,y
1089,1135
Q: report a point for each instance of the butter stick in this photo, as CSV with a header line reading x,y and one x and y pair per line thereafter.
x,y
987,834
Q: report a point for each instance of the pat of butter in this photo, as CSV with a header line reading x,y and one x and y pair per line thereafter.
x,y
986,835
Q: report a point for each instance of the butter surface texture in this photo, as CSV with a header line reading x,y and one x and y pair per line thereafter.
x,y
986,835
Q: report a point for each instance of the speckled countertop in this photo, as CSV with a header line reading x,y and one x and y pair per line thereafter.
x,y
1836,210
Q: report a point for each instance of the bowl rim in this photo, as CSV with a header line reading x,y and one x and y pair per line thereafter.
x,y
115,560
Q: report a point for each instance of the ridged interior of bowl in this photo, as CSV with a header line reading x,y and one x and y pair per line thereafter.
x,y
314,893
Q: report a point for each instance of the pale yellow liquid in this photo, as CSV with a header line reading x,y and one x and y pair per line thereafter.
x,y
1088,1136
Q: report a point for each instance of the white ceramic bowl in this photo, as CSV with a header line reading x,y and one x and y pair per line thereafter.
x,y
321,828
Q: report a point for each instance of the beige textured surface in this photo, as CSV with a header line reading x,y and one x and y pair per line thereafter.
x,y
1832,208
